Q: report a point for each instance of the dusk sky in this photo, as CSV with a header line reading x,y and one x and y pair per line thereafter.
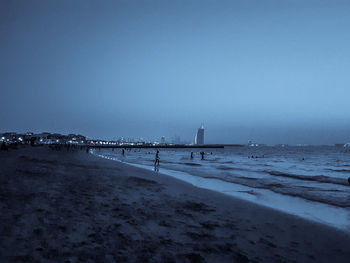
x,y
267,71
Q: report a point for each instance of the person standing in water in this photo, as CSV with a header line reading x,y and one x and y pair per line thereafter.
x,y
123,152
202,154
156,162
191,155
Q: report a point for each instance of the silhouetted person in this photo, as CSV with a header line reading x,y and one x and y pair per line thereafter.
x,y
123,152
156,161
191,155
202,154
349,180
3,147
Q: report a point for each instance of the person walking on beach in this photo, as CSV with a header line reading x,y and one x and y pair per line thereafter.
x,y
202,154
191,155
123,152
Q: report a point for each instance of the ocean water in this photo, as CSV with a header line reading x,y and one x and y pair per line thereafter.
x,y
311,182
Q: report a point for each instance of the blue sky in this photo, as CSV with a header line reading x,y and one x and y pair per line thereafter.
x,y
269,71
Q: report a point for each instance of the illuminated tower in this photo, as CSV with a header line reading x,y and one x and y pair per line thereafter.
x,y
199,138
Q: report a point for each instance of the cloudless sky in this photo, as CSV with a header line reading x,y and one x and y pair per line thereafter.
x,y
269,71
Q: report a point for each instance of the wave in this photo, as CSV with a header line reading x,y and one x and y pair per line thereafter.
x,y
256,183
315,178
311,194
230,162
339,170
226,168
191,164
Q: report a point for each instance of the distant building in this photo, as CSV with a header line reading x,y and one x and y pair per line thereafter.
x,y
162,141
199,138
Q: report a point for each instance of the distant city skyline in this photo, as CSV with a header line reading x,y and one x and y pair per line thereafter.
x,y
269,71
171,139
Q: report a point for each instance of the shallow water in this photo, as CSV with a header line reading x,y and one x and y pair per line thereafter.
x,y
311,182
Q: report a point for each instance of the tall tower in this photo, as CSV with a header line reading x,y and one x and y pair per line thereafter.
x,y
199,138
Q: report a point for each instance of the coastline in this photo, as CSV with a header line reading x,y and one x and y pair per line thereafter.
x,y
333,216
58,205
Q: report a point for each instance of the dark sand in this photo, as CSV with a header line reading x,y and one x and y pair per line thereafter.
x,y
59,206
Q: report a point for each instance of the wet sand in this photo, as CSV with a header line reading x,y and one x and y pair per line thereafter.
x,y
59,206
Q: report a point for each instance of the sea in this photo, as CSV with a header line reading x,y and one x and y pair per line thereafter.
x,y
307,181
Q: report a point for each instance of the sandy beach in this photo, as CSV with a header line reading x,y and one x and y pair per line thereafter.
x,y
59,206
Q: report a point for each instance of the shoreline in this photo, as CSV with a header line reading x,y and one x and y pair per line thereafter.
x,y
310,210
58,205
